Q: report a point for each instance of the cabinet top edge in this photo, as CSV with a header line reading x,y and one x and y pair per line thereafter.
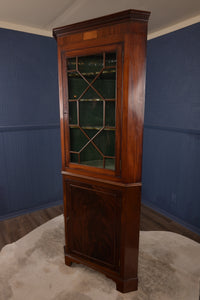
x,y
112,19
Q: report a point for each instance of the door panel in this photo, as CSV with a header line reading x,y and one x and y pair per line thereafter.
x,y
91,104
93,223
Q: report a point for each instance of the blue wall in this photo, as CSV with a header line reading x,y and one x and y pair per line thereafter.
x,y
171,153
30,160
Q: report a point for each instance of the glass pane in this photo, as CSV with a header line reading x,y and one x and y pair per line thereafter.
x,y
110,163
89,108
91,132
73,112
110,59
90,66
76,85
91,113
105,141
91,95
105,83
71,63
91,157
110,113
77,139
74,157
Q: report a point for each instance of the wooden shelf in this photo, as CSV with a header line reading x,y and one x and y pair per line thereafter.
x,y
92,127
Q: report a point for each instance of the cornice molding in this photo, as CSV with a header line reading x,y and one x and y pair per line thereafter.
x,y
27,29
174,27
116,18
151,36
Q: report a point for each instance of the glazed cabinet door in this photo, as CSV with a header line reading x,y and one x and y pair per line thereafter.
x,y
92,109
93,223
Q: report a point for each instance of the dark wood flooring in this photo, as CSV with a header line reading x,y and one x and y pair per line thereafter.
x,y
13,229
152,220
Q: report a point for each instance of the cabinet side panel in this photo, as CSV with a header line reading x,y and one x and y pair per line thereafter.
x,y
130,231
133,105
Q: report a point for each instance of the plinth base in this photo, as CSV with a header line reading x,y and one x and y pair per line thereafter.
x,y
123,286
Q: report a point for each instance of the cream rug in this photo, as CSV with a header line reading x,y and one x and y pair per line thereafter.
x,y
33,269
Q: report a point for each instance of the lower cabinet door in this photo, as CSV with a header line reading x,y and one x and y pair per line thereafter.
x,y
93,223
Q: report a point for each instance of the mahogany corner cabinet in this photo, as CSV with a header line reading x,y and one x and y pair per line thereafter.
x,y
102,66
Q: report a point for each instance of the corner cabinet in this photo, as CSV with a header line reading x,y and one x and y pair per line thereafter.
x,y
102,89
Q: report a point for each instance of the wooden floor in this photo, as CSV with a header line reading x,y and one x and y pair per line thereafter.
x,y
15,228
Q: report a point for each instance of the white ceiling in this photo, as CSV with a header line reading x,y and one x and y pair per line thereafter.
x,y
40,16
